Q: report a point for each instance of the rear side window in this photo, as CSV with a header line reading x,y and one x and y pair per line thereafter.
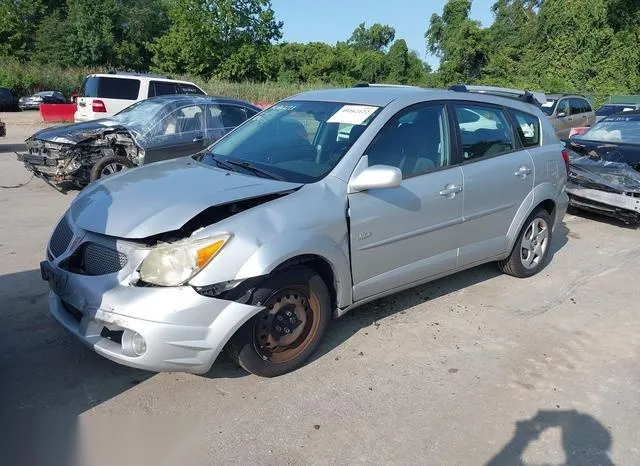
x,y
157,88
110,88
527,127
579,106
489,135
587,106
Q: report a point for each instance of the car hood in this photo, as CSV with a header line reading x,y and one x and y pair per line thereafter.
x,y
609,151
162,197
77,132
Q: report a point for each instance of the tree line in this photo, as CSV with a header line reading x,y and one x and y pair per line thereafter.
x,y
233,40
549,45
582,46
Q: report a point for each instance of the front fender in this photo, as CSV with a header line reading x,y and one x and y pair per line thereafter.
x,y
289,246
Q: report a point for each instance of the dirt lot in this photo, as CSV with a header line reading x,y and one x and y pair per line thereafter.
x,y
479,368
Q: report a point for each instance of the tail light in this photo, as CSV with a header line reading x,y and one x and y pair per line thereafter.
x,y
565,157
98,106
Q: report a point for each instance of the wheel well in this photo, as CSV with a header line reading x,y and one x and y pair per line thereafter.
x,y
549,206
320,266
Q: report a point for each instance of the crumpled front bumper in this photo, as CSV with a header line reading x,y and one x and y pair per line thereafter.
x,y
183,330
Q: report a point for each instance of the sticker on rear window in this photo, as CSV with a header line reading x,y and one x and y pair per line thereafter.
x,y
352,114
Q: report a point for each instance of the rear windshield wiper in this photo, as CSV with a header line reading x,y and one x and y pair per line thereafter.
x,y
251,167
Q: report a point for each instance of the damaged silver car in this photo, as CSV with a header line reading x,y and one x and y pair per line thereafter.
x,y
319,204
155,129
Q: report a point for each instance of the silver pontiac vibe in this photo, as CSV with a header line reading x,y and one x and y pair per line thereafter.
x,y
323,202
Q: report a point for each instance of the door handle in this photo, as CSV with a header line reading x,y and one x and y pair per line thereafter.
x,y
450,191
198,139
523,172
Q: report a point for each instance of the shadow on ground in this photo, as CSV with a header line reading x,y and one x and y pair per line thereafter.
x,y
45,370
585,440
596,217
342,329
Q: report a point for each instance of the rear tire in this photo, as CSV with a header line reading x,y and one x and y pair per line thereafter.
x,y
282,337
109,165
533,247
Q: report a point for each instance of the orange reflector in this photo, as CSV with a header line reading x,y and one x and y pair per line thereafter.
x,y
204,255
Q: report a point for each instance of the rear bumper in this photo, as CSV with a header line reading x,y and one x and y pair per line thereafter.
x,y
183,331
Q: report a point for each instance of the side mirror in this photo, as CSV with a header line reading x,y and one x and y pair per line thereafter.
x,y
561,114
376,177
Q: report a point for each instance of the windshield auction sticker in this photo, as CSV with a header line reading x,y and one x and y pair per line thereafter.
x,y
352,114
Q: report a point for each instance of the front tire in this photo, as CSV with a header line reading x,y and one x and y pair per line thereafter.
x,y
287,332
531,251
109,165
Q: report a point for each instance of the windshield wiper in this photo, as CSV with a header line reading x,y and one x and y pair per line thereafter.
x,y
251,167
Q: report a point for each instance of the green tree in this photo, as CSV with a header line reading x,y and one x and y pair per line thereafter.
x,y
376,38
18,23
397,62
459,42
205,33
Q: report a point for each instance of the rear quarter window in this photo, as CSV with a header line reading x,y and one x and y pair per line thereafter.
x,y
527,127
110,88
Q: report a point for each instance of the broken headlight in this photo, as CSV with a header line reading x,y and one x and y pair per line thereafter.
x,y
176,263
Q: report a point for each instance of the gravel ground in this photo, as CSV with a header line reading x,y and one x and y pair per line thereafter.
x,y
478,368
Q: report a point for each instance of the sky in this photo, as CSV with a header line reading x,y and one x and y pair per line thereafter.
x,y
334,20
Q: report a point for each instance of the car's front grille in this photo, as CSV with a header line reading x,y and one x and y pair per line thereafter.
x,y
101,260
61,238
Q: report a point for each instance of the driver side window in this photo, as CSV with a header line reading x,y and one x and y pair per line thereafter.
x,y
416,141
181,122
563,107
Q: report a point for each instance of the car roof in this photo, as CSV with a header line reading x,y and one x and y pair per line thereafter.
x,y
617,104
376,96
382,96
199,98
149,77
559,96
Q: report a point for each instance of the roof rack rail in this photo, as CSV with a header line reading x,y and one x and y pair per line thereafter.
x,y
535,98
385,85
134,73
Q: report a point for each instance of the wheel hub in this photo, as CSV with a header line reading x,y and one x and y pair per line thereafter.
x,y
281,326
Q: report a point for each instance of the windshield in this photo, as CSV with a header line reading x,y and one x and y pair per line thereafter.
x,y
618,128
549,106
294,141
141,116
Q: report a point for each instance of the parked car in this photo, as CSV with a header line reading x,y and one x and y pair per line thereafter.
x,y
3,129
104,95
604,174
281,224
567,111
32,102
611,109
155,129
8,101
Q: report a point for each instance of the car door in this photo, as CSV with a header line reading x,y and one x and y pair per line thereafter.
x,y
406,234
563,119
179,133
498,175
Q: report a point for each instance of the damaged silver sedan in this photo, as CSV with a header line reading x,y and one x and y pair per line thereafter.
x,y
148,131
